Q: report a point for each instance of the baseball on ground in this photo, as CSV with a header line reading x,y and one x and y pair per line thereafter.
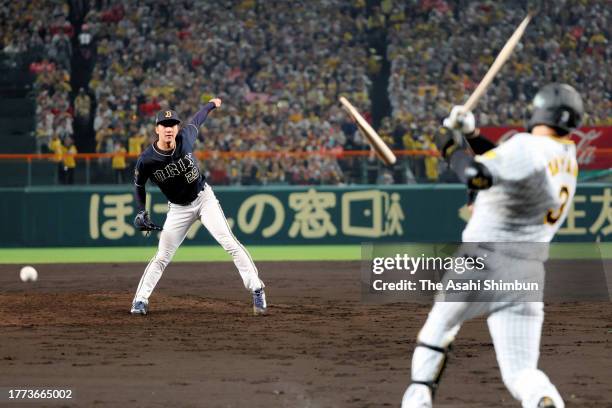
x,y
28,274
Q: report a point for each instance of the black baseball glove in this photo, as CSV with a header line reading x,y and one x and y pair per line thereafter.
x,y
143,223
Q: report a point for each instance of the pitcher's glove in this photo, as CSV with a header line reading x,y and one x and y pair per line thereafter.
x,y
143,223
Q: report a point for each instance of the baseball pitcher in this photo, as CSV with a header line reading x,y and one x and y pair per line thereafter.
x,y
169,163
525,186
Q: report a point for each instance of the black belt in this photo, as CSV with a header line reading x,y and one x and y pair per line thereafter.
x,y
194,198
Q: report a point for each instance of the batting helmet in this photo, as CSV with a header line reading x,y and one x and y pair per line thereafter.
x,y
558,106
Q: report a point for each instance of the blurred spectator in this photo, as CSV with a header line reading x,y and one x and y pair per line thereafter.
x,y
118,162
137,140
384,177
56,146
431,162
217,172
68,152
82,106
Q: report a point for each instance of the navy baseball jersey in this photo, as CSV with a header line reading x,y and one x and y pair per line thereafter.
x,y
175,172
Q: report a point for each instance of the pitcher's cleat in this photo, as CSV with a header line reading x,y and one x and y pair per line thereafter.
x,y
259,302
139,308
546,402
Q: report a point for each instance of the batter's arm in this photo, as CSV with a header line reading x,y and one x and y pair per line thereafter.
x,y
459,142
471,172
479,143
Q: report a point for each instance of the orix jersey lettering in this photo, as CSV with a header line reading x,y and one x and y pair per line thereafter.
x,y
185,166
176,172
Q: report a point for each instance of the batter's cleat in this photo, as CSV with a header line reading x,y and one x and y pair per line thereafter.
x,y
546,402
259,302
139,308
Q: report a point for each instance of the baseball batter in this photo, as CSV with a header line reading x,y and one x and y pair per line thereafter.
x,y
169,163
525,188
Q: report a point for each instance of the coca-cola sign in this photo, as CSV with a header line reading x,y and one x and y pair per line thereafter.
x,y
586,141
593,143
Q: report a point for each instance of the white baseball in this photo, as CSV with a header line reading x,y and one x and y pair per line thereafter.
x,y
28,274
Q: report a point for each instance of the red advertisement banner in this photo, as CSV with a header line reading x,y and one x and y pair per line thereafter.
x,y
593,143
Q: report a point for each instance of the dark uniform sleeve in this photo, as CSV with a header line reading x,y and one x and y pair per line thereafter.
x,y
140,179
193,127
479,145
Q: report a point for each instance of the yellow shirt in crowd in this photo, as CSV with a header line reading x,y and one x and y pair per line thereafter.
x,y
118,161
69,153
135,143
56,147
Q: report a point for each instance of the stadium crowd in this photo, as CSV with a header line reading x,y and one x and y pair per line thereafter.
x,y
39,31
440,53
280,67
279,72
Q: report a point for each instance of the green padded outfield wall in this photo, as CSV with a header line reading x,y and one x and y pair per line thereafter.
x,y
102,216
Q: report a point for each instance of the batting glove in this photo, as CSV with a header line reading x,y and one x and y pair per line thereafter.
x,y
461,121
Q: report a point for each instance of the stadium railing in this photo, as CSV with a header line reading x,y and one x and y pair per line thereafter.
x,y
358,166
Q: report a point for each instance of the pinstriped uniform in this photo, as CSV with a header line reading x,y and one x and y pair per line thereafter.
x,y
534,182
524,189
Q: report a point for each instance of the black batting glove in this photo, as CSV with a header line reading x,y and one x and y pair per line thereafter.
x,y
458,126
449,141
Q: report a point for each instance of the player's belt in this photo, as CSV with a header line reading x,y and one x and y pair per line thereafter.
x,y
195,198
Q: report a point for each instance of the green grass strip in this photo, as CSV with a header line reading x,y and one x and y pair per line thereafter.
x,y
184,254
259,253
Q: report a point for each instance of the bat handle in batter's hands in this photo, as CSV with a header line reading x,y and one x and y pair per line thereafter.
x,y
460,124
460,120
216,101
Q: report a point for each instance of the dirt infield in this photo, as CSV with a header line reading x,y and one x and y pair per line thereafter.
x,y
318,347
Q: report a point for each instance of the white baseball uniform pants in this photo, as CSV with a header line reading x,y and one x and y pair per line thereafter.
x,y
515,329
179,219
